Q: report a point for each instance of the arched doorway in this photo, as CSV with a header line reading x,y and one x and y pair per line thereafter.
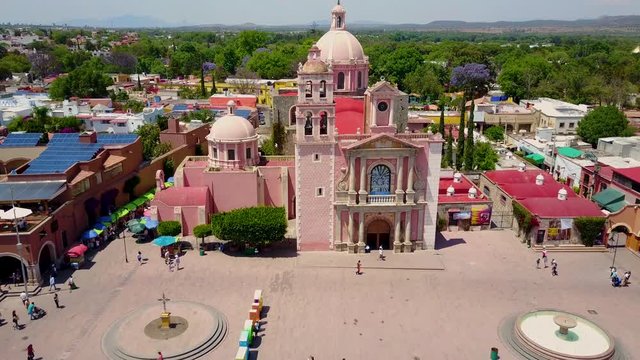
x,y
46,258
108,201
379,234
90,206
10,264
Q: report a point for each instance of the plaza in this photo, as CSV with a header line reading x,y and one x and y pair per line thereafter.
x,y
444,304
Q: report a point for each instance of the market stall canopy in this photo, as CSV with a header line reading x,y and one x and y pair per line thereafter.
x,y
610,199
31,190
15,213
77,250
570,152
149,196
139,201
90,234
122,213
165,241
130,206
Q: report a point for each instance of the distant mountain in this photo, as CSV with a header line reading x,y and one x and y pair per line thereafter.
x,y
125,21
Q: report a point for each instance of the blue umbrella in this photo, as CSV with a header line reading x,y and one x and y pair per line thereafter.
x,y
165,240
99,226
90,234
151,224
171,180
105,219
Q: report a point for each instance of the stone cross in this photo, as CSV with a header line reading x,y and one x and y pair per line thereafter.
x,y
164,302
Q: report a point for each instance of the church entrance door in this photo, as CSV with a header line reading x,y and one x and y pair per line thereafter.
x,y
379,234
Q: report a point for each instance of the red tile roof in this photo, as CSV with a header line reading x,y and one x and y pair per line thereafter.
x,y
631,173
183,196
221,101
461,194
525,191
517,177
553,208
349,115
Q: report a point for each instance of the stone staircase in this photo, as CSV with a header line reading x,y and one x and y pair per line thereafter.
x,y
15,291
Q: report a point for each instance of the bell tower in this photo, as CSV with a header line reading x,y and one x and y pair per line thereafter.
x,y
315,151
338,17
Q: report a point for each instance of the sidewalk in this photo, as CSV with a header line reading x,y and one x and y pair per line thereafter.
x,y
419,260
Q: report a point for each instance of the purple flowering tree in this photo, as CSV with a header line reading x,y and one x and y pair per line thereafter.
x,y
470,77
206,68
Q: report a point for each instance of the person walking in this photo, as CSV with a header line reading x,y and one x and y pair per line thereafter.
x,y
538,263
24,298
554,267
380,253
55,300
52,283
139,257
160,357
625,278
544,256
177,262
358,267
30,310
72,284
15,319
54,271
30,353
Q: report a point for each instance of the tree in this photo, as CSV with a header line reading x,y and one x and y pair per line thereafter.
x,y
447,159
150,135
134,106
87,81
161,149
485,158
121,62
468,146
169,228
471,78
254,226
494,133
43,65
460,143
441,123
589,228
15,63
423,81
202,231
162,122
247,81
520,76
605,121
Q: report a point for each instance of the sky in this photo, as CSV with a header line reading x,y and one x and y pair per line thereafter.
x,y
275,12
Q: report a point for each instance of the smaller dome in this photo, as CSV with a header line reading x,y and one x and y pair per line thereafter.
x,y
473,190
315,66
231,127
563,192
450,190
231,103
338,9
540,177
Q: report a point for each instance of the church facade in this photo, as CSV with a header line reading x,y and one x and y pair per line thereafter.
x,y
358,178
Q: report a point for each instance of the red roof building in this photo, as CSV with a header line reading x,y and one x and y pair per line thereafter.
x,y
554,206
462,204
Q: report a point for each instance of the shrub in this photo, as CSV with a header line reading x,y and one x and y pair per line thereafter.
x,y
589,228
442,224
494,133
255,226
169,228
202,231
526,221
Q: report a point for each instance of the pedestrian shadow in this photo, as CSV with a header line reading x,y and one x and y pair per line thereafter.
x,y
443,243
253,355
264,313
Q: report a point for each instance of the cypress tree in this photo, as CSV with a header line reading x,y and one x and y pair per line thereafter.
x,y
441,124
460,143
448,157
469,146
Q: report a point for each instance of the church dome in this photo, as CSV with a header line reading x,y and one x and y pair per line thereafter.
x,y
315,66
340,46
231,127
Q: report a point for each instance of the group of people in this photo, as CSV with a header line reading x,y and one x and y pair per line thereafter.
x,y
172,261
616,281
544,258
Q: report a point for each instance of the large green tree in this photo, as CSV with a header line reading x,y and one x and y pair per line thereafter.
x,y
605,121
485,158
521,76
87,81
423,81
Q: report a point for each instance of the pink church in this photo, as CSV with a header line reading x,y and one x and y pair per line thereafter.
x,y
377,186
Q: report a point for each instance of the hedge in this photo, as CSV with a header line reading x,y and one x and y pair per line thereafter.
x,y
589,228
169,228
254,226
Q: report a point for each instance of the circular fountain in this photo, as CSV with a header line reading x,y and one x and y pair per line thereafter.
x,y
553,334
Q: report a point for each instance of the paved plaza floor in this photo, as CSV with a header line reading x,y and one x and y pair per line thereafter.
x,y
443,304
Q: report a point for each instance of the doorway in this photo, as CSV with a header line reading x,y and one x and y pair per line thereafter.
x,y
379,234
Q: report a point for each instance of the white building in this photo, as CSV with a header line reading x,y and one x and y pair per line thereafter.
x,y
562,116
628,147
20,105
120,123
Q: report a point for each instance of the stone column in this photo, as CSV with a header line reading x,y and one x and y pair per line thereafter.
x,y
337,242
410,192
351,231
397,245
407,232
361,243
399,171
352,179
363,180
391,114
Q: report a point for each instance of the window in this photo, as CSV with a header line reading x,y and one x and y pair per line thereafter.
x,y
323,123
586,179
323,89
603,187
359,79
380,182
571,125
382,106
316,157
503,200
319,192
105,122
122,124
215,153
99,178
308,91
340,80
339,22
485,190
308,125
561,125
231,155
637,201
248,153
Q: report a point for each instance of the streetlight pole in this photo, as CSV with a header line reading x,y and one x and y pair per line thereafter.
x,y
19,245
124,241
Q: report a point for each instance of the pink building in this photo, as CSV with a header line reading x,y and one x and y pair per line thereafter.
x,y
377,187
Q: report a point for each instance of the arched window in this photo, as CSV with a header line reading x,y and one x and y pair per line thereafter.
x,y
323,123
339,22
359,79
340,80
308,90
292,116
380,183
323,89
308,125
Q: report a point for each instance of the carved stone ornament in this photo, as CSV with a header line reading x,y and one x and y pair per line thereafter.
x,y
342,186
418,185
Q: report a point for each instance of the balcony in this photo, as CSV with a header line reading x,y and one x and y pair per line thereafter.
x,y
381,199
